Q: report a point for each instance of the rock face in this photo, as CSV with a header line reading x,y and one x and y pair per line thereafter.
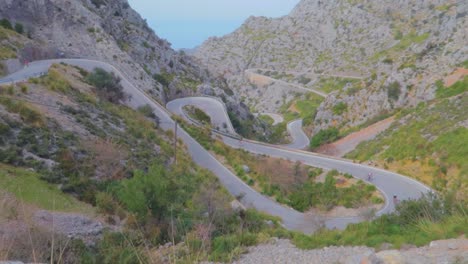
x,y
407,44
111,31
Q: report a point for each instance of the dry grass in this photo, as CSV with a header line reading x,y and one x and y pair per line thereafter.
x,y
280,171
419,170
107,157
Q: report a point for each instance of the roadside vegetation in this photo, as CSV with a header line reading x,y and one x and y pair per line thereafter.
x,y
292,183
304,107
198,114
323,137
415,222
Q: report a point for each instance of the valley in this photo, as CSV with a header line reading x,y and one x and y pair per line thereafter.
x,y
312,134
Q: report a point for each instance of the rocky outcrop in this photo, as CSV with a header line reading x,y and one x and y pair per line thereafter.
x,y
407,44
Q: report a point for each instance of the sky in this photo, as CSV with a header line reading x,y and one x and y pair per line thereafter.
x,y
187,23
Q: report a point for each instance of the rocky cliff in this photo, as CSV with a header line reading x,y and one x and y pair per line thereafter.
x,y
399,48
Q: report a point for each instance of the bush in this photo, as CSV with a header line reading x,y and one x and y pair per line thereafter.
x,y
394,90
340,108
55,81
27,114
163,78
19,28
24,88
147,111
223,246
107,84
323,137
428,207
388,61
199,115
6,23
105,202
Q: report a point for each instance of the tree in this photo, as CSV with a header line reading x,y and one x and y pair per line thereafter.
x,y
394,90
107,84
19,28
6,23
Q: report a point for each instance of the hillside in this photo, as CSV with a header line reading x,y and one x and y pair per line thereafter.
x,y
398,50
94,169
111,31
427,142
84,178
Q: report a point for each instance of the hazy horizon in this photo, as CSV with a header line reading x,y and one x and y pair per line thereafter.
x,y
189,26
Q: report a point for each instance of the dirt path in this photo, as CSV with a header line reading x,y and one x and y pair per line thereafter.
x,y
341,147
457,75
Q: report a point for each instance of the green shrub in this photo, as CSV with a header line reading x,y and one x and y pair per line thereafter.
x,y
107,84
19,28
394,90
55,81
24,88
28,115
147,110
323,137
388,61
105,202
340,108
198,114
6,23
164,78
223,246
118,248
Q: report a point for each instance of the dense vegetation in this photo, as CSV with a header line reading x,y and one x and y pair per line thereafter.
x,y
327,195
324,136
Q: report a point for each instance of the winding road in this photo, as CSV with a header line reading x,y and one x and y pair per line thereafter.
x,y
220,118
388,183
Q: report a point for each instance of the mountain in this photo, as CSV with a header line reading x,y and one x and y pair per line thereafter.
x,y
398,50
111,31
89,174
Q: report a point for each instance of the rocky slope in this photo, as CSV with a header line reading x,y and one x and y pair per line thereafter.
x,y
282,251
400,48
111,31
